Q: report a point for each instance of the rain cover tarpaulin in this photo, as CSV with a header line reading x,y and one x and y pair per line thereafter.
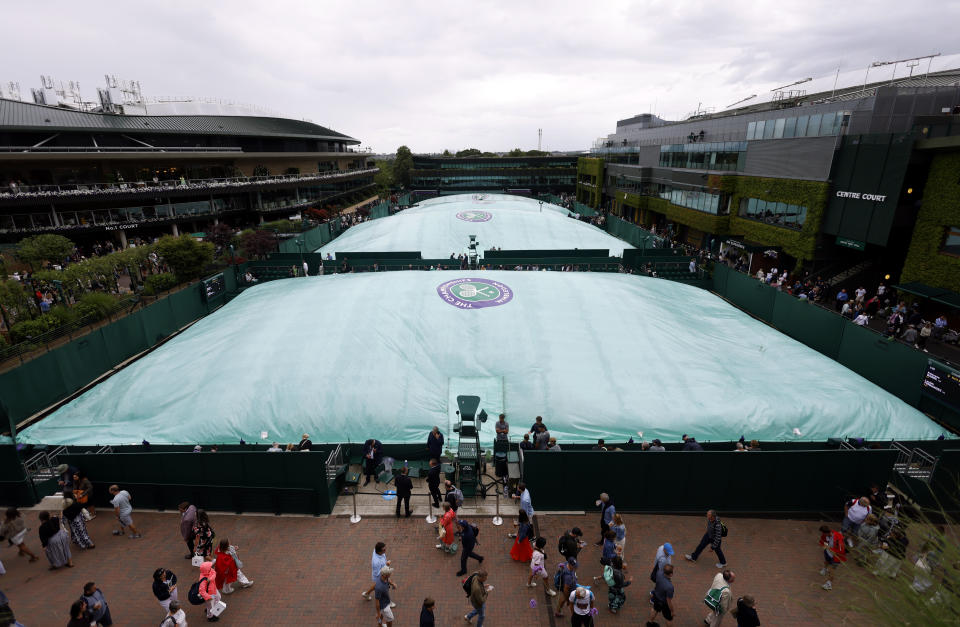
x,y
353,356
441,226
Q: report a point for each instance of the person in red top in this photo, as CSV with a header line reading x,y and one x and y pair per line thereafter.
x,y
834,554
225,567
445,530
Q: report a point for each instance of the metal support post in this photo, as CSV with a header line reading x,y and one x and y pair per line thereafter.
x,y
431,519
356,517
497,521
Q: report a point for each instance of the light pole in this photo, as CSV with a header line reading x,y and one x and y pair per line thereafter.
x,y
300,247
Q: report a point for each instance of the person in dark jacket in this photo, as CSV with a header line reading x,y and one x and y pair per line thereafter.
x,y
79,614
372,454
426,612
467,542
164,587
713,536
433,481
690,444
404,489
747,612
570,543
435,443
615,595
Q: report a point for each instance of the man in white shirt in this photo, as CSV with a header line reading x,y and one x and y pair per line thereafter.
x,y
175,616
861,319
854,513
581,607
275,448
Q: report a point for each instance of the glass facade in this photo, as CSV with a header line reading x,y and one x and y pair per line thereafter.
x,y
775,213
727,156
800,126
951,243
499,181
693,199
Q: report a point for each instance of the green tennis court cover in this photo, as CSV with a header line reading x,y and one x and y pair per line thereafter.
x,y
440,226
353,356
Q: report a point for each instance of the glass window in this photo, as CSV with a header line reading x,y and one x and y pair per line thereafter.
x,y
768,129
813,129
802,122
778,128
758,134
951,243
790,127
838,122
826,125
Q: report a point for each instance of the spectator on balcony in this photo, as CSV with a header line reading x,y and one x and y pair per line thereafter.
x,y
925,332
842,297
910,336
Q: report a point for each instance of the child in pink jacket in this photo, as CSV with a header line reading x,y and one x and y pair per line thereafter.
x,y
208,589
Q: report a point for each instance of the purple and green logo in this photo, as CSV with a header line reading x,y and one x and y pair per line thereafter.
x,y
475,293
475,215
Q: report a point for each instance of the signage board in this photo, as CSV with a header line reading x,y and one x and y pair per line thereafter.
x,y
851,243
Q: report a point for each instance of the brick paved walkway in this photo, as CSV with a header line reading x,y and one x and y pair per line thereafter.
x,y
310,571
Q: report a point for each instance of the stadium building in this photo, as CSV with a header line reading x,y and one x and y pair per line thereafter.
x,y
848,173
440,176
124,167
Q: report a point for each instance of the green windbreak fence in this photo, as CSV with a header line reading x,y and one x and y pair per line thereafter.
x,y
891,365
312,239
628,232
697,481
254,481
59,373
15,489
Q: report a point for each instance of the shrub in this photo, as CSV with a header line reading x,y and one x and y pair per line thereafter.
x,y
60,315
96,304
27,329
156,283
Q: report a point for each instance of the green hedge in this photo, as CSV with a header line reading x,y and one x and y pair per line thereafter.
x,y
156,283
940,209
810,194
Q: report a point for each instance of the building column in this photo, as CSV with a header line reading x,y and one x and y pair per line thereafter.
x,y
53,216
123,238
175,230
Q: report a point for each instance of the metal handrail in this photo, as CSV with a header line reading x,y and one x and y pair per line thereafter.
x,y
334,461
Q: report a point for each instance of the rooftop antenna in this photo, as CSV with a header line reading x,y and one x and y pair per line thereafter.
x,y
13,88
539,137
739,101
799,82
929,57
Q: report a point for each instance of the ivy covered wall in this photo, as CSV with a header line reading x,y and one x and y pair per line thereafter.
x,y
940,209
800,244
590,166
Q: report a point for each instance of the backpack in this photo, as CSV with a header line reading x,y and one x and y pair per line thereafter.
x,y
608,576
723,530
476,531
194,595
712,600
468,583
558,577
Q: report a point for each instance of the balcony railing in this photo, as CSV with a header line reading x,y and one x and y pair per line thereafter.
x,y
120,149
151,188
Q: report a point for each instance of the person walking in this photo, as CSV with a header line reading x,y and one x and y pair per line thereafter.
x,y
79,614
433,481
712,537
82,491
468,541
426,613
661,597
209,593
188,517
225,567
664,556
377,561
521,551
382,593
14,531
834,554
55,541
719,597
453,495
526,503
479,590
747,612
620,529
537,568
616,596
581,607
203,535
435,443
607,510
164,587
73,514
568,583
124,511
175,617
404,490
97,604
445,529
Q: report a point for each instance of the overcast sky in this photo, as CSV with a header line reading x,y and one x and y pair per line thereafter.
x,y
453,74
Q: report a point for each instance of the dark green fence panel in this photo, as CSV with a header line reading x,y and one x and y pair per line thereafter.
x,y
124,339
760,481
751,295
895,367
157,322
230,481
15,489
33,386
82,360
816,327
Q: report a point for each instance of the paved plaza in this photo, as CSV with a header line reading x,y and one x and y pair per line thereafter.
x,y
311,571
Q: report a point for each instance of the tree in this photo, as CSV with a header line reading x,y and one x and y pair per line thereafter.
x,y
402,166
384,178
516,152
258,243
446,153
220,234
186,256
469,152
40,248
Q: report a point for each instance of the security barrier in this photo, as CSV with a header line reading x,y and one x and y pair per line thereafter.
x,y
758,481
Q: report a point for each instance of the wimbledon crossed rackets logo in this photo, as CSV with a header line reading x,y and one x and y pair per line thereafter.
x,y
475,215
475,293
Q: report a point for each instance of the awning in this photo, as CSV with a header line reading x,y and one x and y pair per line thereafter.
x,y
936,294
747,246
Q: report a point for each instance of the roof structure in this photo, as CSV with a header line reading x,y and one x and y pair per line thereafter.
x,y
26,116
